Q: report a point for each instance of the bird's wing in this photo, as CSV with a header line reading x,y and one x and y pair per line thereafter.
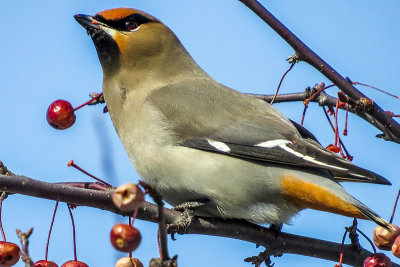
x,y
208,116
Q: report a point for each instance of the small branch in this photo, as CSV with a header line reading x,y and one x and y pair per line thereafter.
x,y
323,99
285,243
382,120
24,237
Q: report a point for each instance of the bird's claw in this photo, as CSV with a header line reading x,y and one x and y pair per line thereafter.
x,y
187,217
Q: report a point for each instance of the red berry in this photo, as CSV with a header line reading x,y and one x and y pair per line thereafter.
x,y
44,263
396,247
333,148
125,237
377,260
128,262
60,114
384,238
74,263
9,254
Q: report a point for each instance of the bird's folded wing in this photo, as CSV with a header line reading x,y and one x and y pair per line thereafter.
x,y
224,121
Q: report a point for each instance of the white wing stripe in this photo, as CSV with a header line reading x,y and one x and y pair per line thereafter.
x,y
273,143
308,158
288,149
358,175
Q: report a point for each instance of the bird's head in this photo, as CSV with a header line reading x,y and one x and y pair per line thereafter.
x,y
127,38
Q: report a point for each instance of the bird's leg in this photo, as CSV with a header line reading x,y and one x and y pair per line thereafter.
x,y
183,224
276,228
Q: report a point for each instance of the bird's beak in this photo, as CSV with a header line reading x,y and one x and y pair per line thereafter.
x,y
102,36
88,22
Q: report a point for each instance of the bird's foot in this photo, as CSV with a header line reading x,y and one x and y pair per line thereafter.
x,y
263,257
183,224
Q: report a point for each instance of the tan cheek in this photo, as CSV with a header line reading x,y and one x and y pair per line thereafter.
x,y
120,39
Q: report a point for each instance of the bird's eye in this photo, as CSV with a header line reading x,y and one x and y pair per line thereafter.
x,y
131,25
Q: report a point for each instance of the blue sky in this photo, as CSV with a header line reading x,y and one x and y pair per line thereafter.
x,y
46,55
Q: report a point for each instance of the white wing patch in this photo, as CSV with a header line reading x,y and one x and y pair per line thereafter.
x,y
220,146
308,158
273,143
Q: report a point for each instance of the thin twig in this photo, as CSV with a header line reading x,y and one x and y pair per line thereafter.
x,y
24,238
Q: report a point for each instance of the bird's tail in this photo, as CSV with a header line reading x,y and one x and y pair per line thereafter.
x,y
369,214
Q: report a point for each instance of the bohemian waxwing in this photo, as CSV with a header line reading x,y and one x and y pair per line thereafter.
x,y
196,140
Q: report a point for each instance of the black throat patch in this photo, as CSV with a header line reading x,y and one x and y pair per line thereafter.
x,y
107,49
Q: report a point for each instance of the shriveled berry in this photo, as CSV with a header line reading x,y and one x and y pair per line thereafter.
x,y
128,262
9,253
128,197
384,238
60,114
44,263
125,237
396,247
377,260
155,262
74,263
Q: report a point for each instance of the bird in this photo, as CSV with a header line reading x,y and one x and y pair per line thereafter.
x,y
224,153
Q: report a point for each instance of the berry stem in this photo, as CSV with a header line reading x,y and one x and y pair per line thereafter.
x,y
280,83
71,163
336,123
159,243
304,114
347,119
73,231
394,207
87,102
2,197
341,249
51,227
373,87
348,156
130,223
369,240
133,217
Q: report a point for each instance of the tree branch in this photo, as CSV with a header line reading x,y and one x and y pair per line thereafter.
x,y
376,115
277,244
